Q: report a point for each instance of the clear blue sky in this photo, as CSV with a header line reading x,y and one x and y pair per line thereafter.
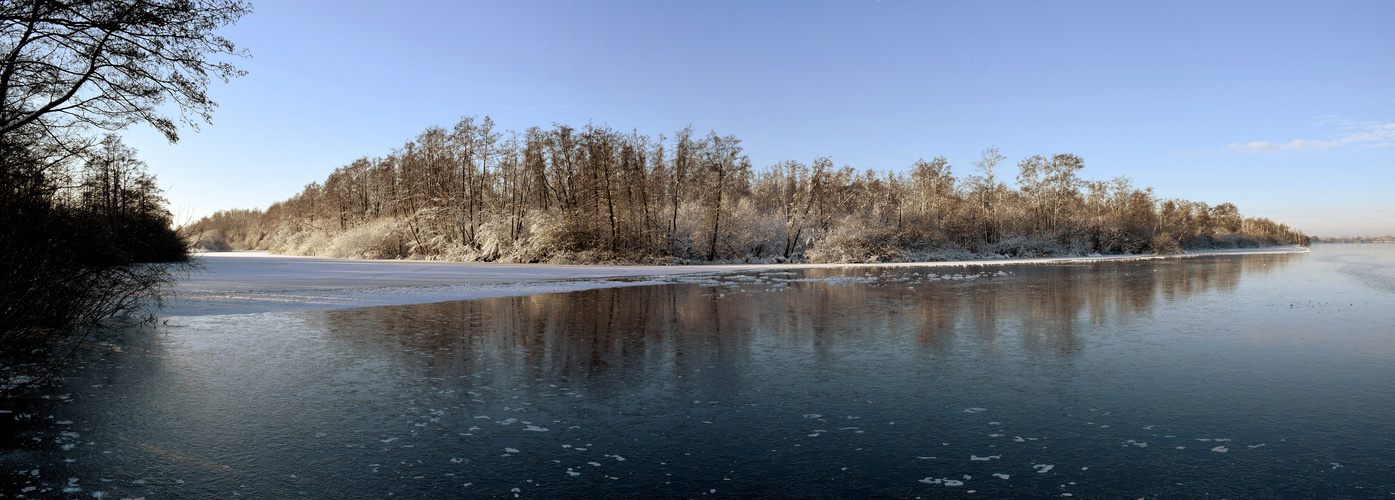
x,y
1285,109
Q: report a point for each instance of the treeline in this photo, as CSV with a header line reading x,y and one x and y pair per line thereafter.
x,y
595,194
1355,239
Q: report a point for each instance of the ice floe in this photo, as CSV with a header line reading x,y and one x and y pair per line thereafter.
x,y
944,481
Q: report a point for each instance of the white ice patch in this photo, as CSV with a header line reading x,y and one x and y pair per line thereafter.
x,y
535,428
944,481
974,410
1253,446
1043,468
1220,449
1001,475
984,459
510,450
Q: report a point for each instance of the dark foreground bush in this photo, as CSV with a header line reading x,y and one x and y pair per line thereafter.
x,y
68,267
60,277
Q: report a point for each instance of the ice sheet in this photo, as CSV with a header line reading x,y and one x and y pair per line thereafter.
x,y
256,282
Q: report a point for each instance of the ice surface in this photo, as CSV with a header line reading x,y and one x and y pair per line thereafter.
x,y
254,282
1001,475
1043,468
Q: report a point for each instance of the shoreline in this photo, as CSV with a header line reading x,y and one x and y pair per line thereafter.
x,y
253,282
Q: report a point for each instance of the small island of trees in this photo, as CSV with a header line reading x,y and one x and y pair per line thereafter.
x,y
595,194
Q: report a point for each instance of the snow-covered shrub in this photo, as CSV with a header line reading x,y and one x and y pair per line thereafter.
x,y
374,240
1020,247
1164,244
211,241
856,240
749,235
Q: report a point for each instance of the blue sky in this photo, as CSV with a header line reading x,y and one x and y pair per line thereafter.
x,y
1285,109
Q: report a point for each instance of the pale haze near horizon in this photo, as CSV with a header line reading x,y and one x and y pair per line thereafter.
x,y
1285,109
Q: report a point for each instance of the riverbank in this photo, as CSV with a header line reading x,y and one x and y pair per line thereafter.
x,y
257,282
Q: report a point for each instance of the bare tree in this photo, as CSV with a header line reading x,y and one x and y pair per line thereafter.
x,y
987,191
109,63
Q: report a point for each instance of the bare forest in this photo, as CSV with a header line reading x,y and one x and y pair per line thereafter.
x,y
595,194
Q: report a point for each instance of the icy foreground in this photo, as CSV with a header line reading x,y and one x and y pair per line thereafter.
x,y
256,282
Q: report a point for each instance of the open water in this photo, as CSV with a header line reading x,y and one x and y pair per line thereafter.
x,y
1222,376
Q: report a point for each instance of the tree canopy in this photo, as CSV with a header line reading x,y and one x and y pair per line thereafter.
x,y
110,63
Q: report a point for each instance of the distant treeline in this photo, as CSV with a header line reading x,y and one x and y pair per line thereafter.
x,y
595,194
1355,239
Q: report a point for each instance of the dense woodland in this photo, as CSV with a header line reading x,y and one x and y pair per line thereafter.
x,y
595,194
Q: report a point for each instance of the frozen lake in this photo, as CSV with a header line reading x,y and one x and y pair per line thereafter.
x,y
1268,375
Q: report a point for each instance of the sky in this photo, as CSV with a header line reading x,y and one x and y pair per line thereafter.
x,y
1285,109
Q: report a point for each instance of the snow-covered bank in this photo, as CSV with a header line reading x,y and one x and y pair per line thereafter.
x,y
254,282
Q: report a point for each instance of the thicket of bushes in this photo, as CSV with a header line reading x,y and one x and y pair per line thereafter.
x,y
597,195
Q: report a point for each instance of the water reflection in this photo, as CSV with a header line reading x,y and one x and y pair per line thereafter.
x,y
625,332
817,383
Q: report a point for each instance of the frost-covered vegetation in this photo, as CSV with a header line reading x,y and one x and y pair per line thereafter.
x,y
595,194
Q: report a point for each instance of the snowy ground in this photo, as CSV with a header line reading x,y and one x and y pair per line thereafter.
x,y
254,282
